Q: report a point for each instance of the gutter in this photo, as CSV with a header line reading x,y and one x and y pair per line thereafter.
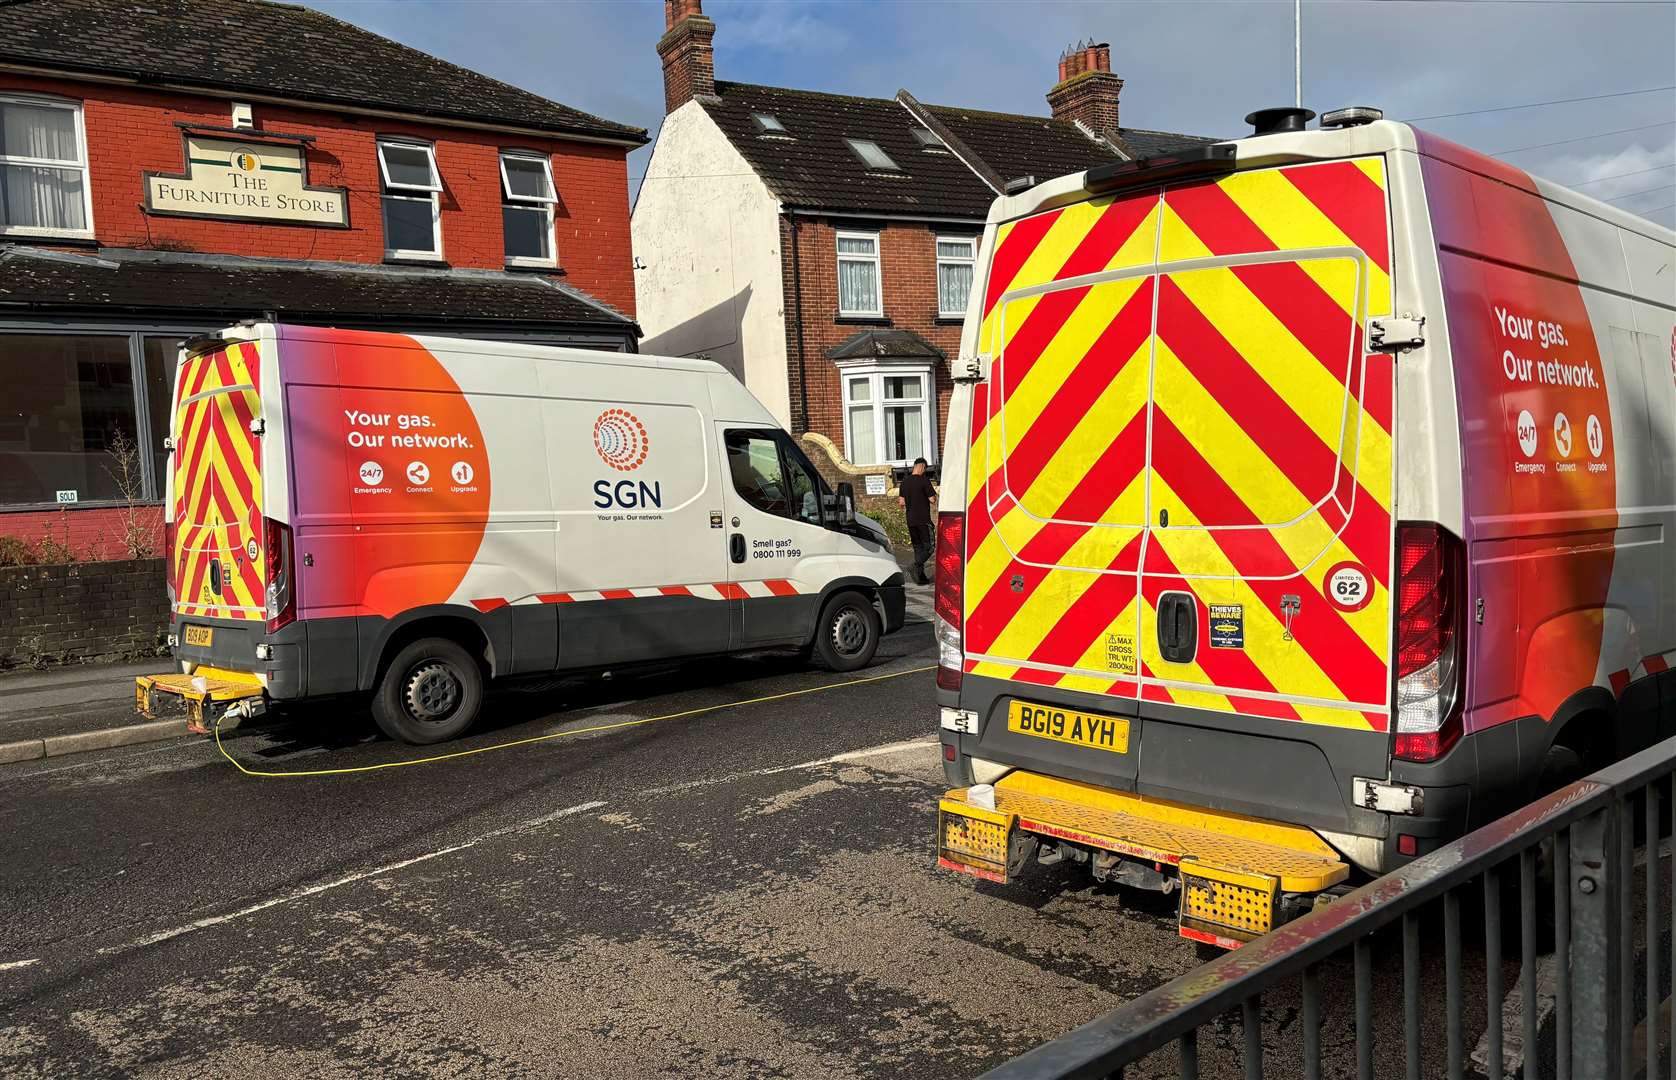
x,y
420,116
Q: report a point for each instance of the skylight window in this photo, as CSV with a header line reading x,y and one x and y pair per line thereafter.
x,y
928,139
769,122
871,156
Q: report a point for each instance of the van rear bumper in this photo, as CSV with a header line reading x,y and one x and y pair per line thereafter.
x,y
1285,771
233,648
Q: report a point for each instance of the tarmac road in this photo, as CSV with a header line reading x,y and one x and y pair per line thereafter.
x,y
741,892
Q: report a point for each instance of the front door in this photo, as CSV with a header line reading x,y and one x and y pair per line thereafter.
x,y
776,526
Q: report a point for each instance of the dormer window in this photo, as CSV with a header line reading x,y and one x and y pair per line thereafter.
x,y
872,156
770,124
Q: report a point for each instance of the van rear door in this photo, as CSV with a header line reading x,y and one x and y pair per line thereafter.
x,y
217,558
1268,547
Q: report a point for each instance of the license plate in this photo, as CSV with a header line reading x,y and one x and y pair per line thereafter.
x,y
200,635
1067,726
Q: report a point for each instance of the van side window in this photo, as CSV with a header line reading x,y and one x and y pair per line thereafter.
x,y
754,460
807,502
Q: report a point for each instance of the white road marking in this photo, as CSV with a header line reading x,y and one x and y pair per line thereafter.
x,y
315,890
531,823
14,964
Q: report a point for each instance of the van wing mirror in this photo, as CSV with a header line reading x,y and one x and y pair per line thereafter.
x,y
846,505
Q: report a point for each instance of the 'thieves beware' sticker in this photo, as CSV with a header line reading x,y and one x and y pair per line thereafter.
x,y
1348,587
1227,626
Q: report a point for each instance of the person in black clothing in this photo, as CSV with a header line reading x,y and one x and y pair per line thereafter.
x,y
918,499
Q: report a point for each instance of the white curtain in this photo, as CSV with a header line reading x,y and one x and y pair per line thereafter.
x,y
858,286
863,446
37,131
954,284
42,198
903,438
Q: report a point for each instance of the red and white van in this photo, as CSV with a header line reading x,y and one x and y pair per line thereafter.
x,y
1319,504
409,516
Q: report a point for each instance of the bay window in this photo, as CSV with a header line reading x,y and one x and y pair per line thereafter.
x,y
956,257
527,208
412,211
858,274
43,169
889,414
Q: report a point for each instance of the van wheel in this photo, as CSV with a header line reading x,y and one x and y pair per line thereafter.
x,y
432,692
848,633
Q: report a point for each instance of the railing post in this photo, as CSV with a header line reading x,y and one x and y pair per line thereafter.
x,y
1597,1014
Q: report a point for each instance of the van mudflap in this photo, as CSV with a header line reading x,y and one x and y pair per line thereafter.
x,y
1233,869
207,693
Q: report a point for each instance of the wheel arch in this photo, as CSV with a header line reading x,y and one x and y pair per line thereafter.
x,y
463,626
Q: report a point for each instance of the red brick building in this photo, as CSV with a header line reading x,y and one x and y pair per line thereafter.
x,y
168,167
823,246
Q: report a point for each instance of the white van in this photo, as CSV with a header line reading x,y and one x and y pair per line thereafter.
x,y
1310,500
411,516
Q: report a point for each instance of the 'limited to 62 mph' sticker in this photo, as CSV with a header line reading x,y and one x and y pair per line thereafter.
x,y
1348,587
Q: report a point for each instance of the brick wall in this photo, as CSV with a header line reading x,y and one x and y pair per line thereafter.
x,y
131,130
908,275
81,612
91,533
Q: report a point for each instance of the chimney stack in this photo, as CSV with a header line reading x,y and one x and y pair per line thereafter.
x,y
1087,90
689,62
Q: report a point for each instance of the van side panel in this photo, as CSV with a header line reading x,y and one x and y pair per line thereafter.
x,y
1567,488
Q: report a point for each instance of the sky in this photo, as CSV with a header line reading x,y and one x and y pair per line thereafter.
x,y
1195,66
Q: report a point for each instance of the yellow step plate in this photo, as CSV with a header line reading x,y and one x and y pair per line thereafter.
x,y
1155,830
203,686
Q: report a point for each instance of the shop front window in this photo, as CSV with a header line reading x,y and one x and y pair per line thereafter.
x,y
67,399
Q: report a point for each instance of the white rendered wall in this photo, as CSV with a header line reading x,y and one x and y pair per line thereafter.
x,y
706,230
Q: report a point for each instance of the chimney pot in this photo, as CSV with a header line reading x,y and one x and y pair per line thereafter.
x,y
1087,90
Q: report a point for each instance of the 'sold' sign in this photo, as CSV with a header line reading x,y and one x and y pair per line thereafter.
x,y
228,178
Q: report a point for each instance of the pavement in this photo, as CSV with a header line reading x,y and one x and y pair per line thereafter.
x,y
740,884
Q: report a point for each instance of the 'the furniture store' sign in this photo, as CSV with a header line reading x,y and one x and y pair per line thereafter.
x,y
229,178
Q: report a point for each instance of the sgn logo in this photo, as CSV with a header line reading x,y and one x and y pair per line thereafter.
x,y
621,441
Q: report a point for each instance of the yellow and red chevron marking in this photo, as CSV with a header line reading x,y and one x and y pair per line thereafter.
x,y
1236,398
217,485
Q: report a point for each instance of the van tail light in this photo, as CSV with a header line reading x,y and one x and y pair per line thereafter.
x,y
281,597
1430,641
950,606
171,558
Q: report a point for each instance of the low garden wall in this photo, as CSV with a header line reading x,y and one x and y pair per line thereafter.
x,y
78,612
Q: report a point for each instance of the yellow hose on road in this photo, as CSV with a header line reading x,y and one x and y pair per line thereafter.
x,y
562,734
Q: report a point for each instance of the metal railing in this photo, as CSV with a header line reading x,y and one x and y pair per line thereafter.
x,y
1589,833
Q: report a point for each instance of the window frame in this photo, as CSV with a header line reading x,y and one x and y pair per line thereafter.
x,y
875,375
942,260
527,202
75,108
404,192
877,259
769,124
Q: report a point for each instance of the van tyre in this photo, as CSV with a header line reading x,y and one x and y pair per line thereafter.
x,y
432,691
847,635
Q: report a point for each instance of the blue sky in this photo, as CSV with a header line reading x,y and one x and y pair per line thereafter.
x,y
1189,65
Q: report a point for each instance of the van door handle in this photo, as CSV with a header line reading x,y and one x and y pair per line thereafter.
x,y
736,547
